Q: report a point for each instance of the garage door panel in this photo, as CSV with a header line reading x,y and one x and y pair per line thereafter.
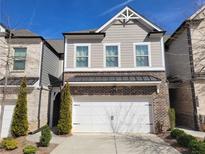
x,y
109,116
7,119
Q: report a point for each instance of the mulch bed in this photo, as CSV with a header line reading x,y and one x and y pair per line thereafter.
x,y
172,142
22,142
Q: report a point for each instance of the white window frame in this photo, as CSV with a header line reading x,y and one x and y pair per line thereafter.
x,y
149,54
89,54
104,54
19,58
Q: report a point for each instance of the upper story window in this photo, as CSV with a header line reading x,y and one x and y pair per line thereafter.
x,y
82,56
19,58
112,55
142,54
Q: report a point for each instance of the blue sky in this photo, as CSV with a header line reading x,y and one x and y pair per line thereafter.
x,y
50,18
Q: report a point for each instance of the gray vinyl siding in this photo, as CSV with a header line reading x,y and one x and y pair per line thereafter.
x,y
125,35
51,66
177,57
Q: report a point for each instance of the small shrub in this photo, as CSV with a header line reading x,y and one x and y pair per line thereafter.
x,y
176,133
45,136
172,118
9,144
197,147
29,149
185,140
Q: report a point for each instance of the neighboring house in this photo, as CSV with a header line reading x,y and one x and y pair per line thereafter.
x,y
185,62
31,56
117,76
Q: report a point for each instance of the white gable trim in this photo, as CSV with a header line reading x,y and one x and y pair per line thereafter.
x,y
197,12
2,29
129,17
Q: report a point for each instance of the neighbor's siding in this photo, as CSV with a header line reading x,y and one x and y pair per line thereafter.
x,y
51,66
126,36
177,57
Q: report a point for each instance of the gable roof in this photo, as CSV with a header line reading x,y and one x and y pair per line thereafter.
x,y
23,32
128,13
58,45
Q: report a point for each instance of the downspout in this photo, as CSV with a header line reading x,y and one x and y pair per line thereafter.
x,y
196,125
41,87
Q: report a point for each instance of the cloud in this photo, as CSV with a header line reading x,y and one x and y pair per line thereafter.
x,y
116,7
33,14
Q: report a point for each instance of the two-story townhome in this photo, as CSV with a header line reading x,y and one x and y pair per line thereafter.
x,y
117,76
185,64
31,56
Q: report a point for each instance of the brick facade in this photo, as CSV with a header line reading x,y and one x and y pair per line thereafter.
x,y
160,100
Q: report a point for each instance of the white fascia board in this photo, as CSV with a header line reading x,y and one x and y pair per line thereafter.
x,y
196,13
65,52
17,86
114,69
127,8
144,83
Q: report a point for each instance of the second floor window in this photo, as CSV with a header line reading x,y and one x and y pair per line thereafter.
x,y
112,59
19,58
82,56
142,55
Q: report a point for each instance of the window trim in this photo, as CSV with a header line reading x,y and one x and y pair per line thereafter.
x,y
89,54
104,54
19,58
149,54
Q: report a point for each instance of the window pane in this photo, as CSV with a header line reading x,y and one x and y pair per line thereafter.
x,y
142,61
20,52
82,62
112,62
141,50
82,51
111,51
19,64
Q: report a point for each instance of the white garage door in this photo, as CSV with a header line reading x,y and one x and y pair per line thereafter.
x,y
111,114
7,119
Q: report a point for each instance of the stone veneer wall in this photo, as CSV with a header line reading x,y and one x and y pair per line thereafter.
x,y
160,100
32,104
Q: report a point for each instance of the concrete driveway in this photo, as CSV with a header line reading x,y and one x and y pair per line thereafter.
x,y
110,144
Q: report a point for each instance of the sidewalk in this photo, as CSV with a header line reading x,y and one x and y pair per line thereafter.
x,y
194,133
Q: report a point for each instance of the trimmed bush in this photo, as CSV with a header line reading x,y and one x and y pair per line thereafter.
x,y
29,149
45,136
197,147
19,125
172,118
176,133
64,125
9,144
185,140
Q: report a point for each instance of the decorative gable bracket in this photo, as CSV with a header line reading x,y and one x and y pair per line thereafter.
x,y
125,15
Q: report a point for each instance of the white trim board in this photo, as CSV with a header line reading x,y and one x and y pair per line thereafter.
x,y
196,13
144,83
113,69
135,13
65,51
